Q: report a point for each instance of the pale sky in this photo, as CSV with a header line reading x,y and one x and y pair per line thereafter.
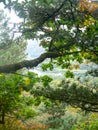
x,y
33,48
11,14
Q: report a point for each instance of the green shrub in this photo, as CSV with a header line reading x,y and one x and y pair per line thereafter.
x,y
89,123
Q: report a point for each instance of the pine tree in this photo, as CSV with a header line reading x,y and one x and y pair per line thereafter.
x,y
10,50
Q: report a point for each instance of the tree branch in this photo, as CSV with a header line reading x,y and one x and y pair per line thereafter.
x,y
63,95
32,63
45,19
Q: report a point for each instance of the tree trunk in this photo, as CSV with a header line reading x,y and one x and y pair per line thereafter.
x,y
2,117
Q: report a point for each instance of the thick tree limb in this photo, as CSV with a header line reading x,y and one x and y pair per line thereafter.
x,y
27,63
32,63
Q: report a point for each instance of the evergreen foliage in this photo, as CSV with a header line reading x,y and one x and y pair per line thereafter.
x,y
68,31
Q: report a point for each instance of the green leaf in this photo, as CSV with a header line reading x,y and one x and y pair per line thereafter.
x,y
69,74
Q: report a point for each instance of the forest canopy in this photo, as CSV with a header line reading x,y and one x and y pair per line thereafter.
x,y
68,31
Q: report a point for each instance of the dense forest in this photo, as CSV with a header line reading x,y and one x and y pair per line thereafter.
x,y
65,94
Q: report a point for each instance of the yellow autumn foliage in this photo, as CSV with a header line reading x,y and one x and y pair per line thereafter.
x,y
94,115
89,21
86,5
76,66
27,81
70,67
84,54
